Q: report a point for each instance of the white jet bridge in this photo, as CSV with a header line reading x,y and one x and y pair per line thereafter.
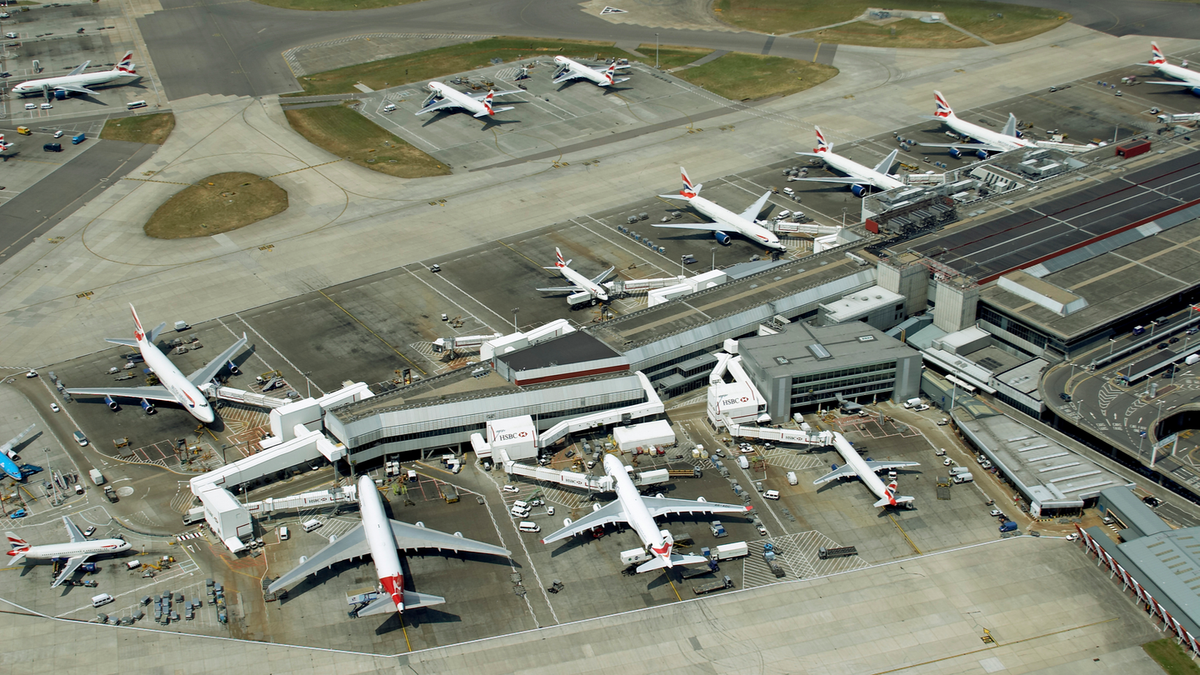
x,y
583,481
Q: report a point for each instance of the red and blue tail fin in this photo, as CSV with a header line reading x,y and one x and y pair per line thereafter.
x,y
125,65
943,108
689,189
822,144
1156,55
138,334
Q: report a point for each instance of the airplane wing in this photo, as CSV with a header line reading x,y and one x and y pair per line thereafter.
x,y
965,146
833,179
411,538
127,342
619,80
353,544
661,506
843,471
599,278
383,604
567,76
69,569
438,105
76,535
206,373
1175,84
605,516
484,113
155,393
480,97
751,214
79,69
716,227
16,439
75,88
881,466
560,289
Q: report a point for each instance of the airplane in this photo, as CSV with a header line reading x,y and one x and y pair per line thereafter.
x,y
380,537
639,512
175,387
585,289
77,551
986,141
859,177
8,455
856,466
1186,76
725,220
479,105
849,406
4,145
574,70
78,81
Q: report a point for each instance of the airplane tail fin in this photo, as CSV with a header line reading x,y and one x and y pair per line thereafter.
x,y
560,262
1156,55
689,189
487,102
608,74
822,144
675,559
125,65
19,547
891,499
1010,127
943,108
139,333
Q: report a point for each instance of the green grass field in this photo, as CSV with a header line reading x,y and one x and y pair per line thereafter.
x,y
906,34
333,5
141,129
741,77
219,203
443,61
1015,22
1171,657
345,133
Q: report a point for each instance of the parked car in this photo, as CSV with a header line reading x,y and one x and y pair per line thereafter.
x,y
996,513
90,531
58,134
1162,345
922,408
511,488
947,462
1173,340
53,407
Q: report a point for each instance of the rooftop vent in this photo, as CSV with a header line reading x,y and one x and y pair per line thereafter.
x,y
819,351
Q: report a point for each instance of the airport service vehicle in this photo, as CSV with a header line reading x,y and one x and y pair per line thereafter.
x,y
724,221
639,513
583,290
724,582
738,549
479,105
58,134
78,81
8,455
174,386
77,551
858,177
569,69
966,477
96,476
381,538
836,552
1008,526
1186,77
864,470
718,530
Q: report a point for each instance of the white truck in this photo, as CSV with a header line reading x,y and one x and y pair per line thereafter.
x,y
791,478
635,556
97,477
964,477
912,403
737,549
958,470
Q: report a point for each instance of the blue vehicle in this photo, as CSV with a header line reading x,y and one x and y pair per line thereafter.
x,y
19,513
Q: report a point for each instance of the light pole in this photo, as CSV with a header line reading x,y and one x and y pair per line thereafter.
x,y
1112,342
843,216
656,51
1154,449
714,260
681,264
515,318
308,383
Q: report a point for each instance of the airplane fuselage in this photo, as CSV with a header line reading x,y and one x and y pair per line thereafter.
x,y
583,282
1180,73
752,231
381,541
73,549
185,393
855,170
851,457
970,130
639,516
81,80
592,75
460,99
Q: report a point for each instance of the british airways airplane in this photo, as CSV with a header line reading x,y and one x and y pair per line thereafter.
x,y
573,70
724,220
479,105
78,81
584,289
1186,76
76,552
175,386
858,176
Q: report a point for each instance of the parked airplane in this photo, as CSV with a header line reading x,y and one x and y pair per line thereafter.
x,y
479,105
3,144
76,552
859,177
856,466
848,405
574,70
1186,76
986,141
639,512
8,456
584,289
175,387
380,537
78,81
725,220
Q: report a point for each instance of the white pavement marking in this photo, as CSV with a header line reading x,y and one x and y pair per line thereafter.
x,y
503,321
285,359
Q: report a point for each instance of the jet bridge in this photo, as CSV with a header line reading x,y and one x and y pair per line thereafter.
x,y
583,481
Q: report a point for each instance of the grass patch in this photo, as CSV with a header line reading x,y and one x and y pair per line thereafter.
x,y
345,133
906,34
443,61
1171,657
219,203
740,77
141,129
1016,22
333,5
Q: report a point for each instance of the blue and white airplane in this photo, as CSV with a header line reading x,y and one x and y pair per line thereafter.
x,y
8,455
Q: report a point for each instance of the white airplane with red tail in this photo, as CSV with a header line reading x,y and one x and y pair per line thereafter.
x,y
570,69
479,105
724,220
585,290
639,512
76,552
864,470
77,81
858,177
382,539
1186,76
